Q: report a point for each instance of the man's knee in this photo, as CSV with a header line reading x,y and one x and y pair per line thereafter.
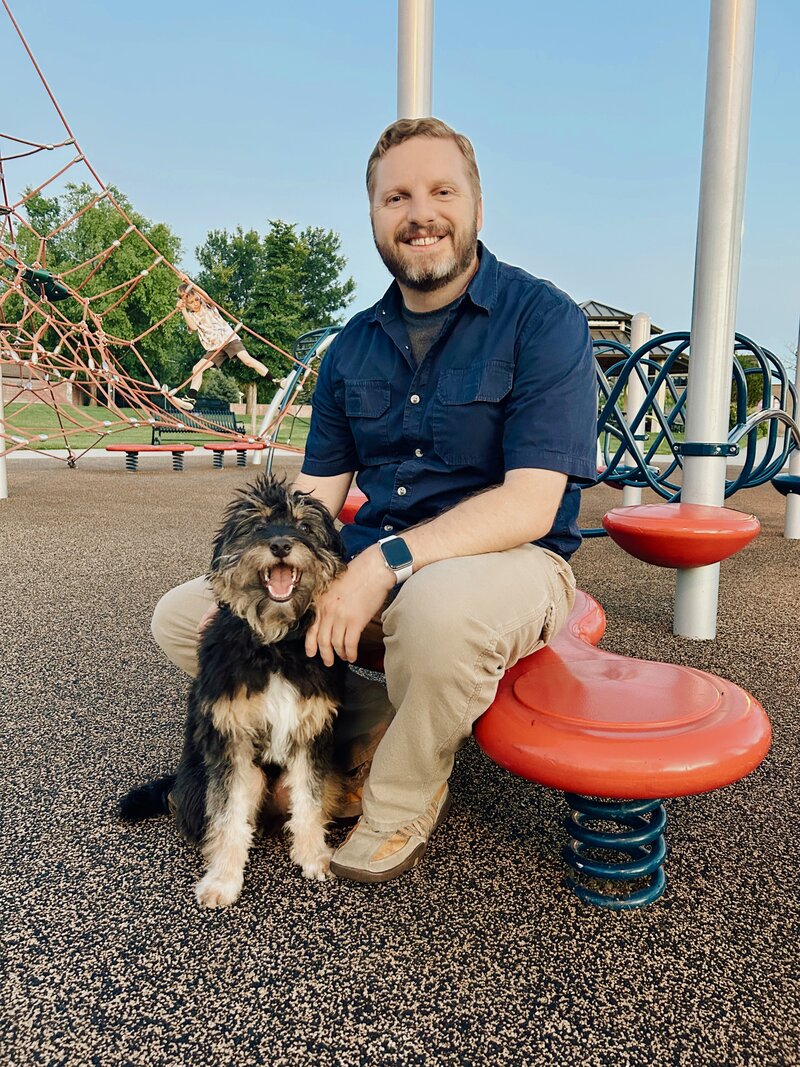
x,y
429,616
162,622
166,625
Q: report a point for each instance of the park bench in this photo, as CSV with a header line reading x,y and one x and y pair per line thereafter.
x,y
217,413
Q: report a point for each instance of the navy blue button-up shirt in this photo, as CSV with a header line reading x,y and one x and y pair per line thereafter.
x,y
509,383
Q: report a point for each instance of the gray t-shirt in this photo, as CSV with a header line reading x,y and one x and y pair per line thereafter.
x,y
425,326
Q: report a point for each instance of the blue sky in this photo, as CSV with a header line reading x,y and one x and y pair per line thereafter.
x,y
586,118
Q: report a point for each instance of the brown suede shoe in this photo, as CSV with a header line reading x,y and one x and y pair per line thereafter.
x,y
370,855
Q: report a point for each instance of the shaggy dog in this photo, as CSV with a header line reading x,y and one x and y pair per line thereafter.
x,y
259,703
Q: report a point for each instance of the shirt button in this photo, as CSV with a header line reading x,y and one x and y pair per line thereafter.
x,y
414,398
418,452
402,491
388,528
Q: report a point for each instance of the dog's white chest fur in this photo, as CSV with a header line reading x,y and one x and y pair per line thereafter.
x,y
284,711
278,713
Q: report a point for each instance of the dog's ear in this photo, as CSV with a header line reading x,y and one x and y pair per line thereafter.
x,y
237,515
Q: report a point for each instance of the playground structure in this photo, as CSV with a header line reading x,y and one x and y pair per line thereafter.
x,y
57,330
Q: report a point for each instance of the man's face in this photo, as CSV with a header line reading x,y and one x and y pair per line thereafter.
x,y
425,217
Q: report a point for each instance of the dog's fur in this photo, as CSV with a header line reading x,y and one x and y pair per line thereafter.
x,y
259,703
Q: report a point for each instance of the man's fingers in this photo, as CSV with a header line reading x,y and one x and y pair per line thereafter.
x,y
338,639
350,649
326,653
311,638
323,642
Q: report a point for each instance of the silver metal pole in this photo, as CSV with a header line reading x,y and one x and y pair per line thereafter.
x,y
791,523
414,58
3,443
640,335
716,283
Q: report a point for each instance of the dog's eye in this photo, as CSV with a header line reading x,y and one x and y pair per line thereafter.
x,y
304,527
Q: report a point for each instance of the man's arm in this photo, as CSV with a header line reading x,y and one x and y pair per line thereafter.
x,y
330,491
522,509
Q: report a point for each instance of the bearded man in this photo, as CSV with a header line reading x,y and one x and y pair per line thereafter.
x,y
464,402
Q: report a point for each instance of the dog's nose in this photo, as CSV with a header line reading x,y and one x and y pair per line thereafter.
x,y
280,547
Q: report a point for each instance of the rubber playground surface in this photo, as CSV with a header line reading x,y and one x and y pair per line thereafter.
x,y
479,956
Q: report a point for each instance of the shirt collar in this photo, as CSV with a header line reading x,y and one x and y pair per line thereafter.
x,y
482,289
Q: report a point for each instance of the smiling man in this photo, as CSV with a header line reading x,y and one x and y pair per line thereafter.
x,y
465,402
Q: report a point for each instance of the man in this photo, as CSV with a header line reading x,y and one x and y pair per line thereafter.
x,y
465,401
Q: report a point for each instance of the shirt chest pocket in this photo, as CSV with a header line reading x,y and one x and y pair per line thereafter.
x,y
468,413
366,405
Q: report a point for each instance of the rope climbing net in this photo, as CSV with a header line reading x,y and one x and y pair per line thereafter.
x,y
75,334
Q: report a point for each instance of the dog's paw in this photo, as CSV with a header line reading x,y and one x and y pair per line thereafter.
x,y
318,869
212,892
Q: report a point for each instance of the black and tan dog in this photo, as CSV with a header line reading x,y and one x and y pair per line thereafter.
x,y
259,703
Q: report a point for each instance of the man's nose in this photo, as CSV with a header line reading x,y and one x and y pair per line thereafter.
x,y
421,212
280,547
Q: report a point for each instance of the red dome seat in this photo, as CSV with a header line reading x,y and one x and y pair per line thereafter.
x,y
355,499
680,535
578,718
591,723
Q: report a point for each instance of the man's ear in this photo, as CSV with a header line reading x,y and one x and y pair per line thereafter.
x,y
479,216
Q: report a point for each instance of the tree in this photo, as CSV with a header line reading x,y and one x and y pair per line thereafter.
x,y
93,232
220,386
281,285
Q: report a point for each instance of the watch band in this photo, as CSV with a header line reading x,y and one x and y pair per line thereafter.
x,y
402,570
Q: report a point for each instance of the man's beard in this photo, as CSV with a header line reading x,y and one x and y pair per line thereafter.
x,y
428,277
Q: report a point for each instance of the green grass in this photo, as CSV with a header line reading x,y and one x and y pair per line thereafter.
x,y
31,420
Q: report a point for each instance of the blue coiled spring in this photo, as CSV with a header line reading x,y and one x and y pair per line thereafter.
x,y
639,840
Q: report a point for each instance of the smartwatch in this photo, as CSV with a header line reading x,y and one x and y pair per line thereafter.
x,y
397,557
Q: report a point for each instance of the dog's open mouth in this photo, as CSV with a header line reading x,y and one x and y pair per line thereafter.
x,y
280,581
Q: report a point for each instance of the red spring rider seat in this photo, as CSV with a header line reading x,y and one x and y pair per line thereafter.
x,y
598,725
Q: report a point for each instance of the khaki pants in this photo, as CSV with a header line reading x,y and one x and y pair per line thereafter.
x,y
450,634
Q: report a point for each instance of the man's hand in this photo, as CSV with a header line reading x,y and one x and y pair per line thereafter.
x,y
348,605
207,617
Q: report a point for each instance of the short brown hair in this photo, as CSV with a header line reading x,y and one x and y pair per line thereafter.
x,y
405,129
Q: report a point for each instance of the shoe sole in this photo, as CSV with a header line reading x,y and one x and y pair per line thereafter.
x,y
352,874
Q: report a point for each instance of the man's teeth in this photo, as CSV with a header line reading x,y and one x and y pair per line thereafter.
x,y
424,240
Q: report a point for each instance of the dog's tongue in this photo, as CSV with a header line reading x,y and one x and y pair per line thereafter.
x,y
280,580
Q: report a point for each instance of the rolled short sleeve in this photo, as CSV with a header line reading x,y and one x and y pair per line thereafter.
x,y
330,448
551,414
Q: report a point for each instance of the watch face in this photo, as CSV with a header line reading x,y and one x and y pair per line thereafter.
x,y
396,553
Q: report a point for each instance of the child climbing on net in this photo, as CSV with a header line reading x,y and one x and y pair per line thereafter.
x,y
217,337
